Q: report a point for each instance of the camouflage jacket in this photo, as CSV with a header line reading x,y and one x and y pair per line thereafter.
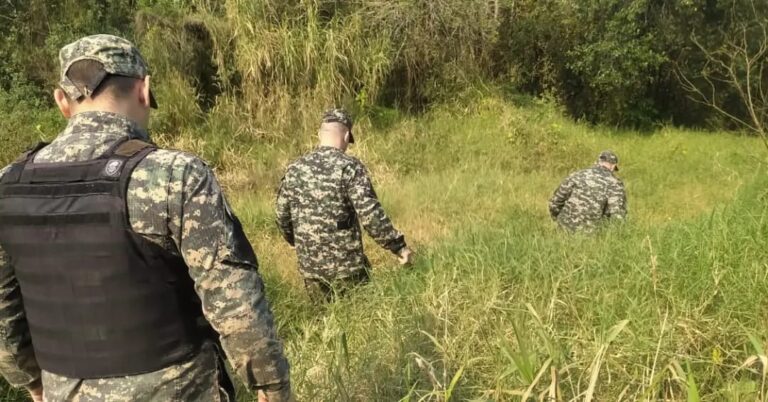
x,y
588,197
323,198
174,200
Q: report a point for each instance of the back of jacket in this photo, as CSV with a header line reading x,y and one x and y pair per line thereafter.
x,y
101,301
324,198
174,202
588,197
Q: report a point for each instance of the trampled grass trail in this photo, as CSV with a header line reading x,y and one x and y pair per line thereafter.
x,y
500,305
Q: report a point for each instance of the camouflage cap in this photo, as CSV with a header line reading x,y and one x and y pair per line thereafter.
x,y
337,115
117,56
610,157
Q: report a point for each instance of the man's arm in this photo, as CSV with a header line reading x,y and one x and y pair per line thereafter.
x,y
283,211
561,195
370,212
617,201
224,268
17,358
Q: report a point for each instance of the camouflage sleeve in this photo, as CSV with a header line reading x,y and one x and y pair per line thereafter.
x,y
370,212
561,195
17,359
224,268
283,212
617,201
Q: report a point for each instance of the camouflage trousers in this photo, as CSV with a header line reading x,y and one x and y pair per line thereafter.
x,y
325,291
203,379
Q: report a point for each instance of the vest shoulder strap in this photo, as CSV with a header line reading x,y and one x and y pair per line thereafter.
x,y
131,148
17,167
31,152
132,152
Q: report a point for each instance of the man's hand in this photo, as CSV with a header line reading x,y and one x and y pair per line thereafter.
x,y
36,393
277,396
405,257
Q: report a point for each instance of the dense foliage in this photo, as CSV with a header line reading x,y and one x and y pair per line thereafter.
x,y
615,62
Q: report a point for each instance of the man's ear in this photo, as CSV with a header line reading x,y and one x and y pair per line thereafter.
x,y
346,136
63,102
144,97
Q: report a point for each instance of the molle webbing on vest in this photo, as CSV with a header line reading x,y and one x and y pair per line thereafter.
x,y
101,301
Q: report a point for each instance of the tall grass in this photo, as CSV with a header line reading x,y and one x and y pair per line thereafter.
x,y
500,305
272,66
519,310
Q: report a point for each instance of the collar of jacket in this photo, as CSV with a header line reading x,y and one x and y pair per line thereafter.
x,y
322,148
106,123
600,167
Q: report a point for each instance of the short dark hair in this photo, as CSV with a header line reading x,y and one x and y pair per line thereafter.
x,y
90,74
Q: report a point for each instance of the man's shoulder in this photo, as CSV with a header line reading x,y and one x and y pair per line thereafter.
x,y
163,179
616,181
352,161
595,171
603,175
168,174
166,157
346,162
299,164
171,162
4,170
580,175
318,158
20,158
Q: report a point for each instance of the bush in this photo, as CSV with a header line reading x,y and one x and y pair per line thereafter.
x,y
276,63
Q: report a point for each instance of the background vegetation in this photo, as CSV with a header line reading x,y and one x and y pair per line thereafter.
x,y
266,63
470,112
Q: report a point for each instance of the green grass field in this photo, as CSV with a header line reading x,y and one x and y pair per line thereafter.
x,y
499,305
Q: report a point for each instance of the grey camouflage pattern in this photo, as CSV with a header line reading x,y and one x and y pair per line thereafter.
x,y
117,55
587,198
338,115
200,383
323,198
608,156
174,200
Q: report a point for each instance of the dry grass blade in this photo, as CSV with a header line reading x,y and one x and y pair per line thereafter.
x,y
536,379
598,361
594,373
751,362
427,368
553,386
658,348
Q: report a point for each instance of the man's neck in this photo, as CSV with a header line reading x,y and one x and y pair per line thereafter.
x,y
608,168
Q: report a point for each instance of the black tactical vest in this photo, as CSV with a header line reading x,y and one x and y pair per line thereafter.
x,y
101,301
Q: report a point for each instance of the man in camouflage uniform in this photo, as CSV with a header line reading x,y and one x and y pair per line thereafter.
x,y
174,202
590,196
323,198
